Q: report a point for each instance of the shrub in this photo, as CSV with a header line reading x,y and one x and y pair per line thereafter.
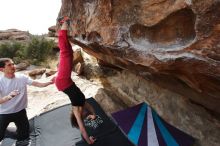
x,y
38,49
12,50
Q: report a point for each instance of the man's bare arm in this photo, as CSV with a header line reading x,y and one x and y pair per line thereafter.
x,y
40,84
9,96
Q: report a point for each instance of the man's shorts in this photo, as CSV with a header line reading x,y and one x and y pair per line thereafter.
x,y
76,96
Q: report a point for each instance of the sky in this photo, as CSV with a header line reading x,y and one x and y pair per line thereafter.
x,y
35,16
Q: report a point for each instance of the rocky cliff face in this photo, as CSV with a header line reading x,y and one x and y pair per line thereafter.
x,y
171,43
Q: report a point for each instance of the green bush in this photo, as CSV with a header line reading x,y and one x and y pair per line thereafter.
x,y
36,50
12,50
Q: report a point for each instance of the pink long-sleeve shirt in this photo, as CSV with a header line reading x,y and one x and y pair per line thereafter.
x,y
63,79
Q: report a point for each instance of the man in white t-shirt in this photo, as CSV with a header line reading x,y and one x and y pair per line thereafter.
x,y
13,99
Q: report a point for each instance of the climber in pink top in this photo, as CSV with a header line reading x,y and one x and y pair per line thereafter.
x,y
80,108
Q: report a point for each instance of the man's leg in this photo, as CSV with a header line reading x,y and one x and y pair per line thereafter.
x,y
4,122
21,121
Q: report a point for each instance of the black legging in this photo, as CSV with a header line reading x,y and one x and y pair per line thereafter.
x,y
21,121
75,95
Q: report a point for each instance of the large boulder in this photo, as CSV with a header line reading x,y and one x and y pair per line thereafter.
x,y
52,31
175,44
14,34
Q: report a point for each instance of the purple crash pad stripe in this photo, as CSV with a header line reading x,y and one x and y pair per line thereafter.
x,y
159,136
143,137
169,139
126,118
182,138
136,128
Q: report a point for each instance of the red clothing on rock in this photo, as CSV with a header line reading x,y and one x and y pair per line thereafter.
x,y
63,79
